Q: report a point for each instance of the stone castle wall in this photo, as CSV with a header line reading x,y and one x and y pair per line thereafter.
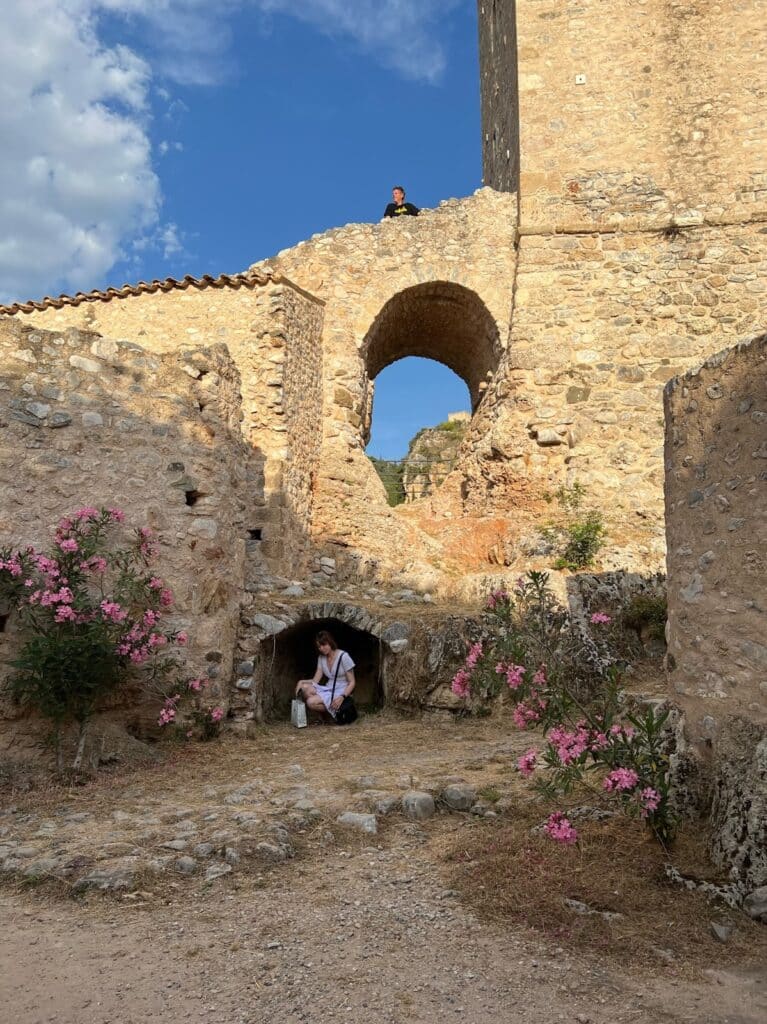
x,y
272,331
638,114
601,321
439,286
716,520
86,420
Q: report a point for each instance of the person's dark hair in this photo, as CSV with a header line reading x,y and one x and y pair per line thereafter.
x,y
323,637
399,188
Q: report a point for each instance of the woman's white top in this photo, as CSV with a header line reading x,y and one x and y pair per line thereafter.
x,y
344,664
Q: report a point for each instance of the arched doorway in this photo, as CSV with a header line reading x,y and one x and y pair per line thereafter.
x,y
437,320
291,655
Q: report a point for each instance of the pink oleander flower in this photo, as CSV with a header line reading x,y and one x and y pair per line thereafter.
x,y
525,714
539,679
48,566
526,763
599,741
113,611
559,828
116,515
12,565
216,714
621,780
496,597
515,676
167,715
65,525
181,637
86,513
196,684
150,618
600,618
157,640
649,800
69,544
460,684
166,598
627,731
139,655
64,613
155,583
96,563
569,745
475,653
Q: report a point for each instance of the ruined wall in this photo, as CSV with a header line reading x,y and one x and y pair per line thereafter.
x,y
716,514
500,95
453,265
272,330
601,322
634,114
86,420
716,521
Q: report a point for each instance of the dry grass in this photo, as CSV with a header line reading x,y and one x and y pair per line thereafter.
x,y
509,874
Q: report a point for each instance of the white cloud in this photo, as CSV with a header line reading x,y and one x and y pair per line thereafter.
x,y
78,191
75,171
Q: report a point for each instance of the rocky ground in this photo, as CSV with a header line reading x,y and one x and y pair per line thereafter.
x,y
300,876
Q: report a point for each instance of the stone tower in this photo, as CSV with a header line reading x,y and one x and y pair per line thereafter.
x,y
628,114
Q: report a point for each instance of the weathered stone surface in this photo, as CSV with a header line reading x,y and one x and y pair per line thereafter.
x,y
360,822
458,796
755,904
418,805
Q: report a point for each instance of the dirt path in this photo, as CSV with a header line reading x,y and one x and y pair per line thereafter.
x,y
353,928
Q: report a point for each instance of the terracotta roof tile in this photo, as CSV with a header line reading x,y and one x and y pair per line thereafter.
x,y
249,279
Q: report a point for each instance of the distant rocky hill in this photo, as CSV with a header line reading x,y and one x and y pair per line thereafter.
x,y
431,456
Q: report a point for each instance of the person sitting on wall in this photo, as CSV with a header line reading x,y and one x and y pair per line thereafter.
x,y
399,208
337,668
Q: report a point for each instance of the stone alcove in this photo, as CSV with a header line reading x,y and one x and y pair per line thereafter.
x,y
289,655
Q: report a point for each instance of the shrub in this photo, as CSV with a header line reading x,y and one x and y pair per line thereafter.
x,y
390,473
90,620
646,614
587,729
579,537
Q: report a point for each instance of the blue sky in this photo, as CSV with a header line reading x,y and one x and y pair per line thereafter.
x,y
156,138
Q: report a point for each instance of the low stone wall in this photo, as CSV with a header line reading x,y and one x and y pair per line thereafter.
x,y
85,420
716,522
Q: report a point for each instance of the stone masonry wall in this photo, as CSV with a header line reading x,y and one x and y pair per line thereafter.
x,y
272,330
716,521
601,322
640,113
465,249
716,514
86,420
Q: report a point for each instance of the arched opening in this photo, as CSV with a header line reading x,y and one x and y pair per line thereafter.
x,y
435,346
291,655
441,321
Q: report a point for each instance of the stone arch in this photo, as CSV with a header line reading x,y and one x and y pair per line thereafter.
x,y
288,654
438,320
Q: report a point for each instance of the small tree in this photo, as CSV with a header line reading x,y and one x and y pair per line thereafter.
x,y
580,535
564,681
90,617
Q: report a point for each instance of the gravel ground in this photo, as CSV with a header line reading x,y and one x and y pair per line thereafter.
x,y
353,928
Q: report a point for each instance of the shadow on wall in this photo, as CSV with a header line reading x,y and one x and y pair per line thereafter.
x,y
291,655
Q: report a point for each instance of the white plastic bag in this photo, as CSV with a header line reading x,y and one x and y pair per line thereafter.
x,y
298,714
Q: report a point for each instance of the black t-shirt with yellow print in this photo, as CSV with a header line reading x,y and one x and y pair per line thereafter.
x,y
405,210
